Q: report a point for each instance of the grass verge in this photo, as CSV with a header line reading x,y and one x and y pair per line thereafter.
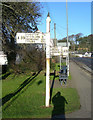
x,y
24,97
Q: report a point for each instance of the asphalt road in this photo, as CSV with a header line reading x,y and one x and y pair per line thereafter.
x,y
87,61
82,82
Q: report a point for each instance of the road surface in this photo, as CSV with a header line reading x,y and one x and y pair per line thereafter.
x,y
87,61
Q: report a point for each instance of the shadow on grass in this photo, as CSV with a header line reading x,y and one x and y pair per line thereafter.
x,y
51,89
6,75
39,82
20,88
59,106
58,102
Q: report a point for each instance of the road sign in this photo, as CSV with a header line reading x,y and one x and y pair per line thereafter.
x,y
37,37
59,51
56,51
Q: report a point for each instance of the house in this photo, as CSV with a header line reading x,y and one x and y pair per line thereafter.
x,y
3,58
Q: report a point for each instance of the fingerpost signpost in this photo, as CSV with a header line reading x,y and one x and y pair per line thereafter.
x,y
40,37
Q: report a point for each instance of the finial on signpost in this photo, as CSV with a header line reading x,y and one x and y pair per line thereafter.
x,y
48,14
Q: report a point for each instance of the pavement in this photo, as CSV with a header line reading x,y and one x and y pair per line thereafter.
x,y
81,80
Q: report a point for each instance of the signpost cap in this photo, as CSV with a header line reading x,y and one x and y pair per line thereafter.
x,y
48,14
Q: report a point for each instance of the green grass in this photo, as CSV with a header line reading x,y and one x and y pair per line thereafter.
x,y
11,83
29,102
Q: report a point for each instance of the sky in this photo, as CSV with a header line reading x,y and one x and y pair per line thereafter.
x,y
79,18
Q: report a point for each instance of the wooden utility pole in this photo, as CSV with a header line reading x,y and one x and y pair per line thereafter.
x,y
55,41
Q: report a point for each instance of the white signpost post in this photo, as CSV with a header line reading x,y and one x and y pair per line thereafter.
x,y
40,37
48,20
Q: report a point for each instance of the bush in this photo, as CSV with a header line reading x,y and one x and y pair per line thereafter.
x,y
33,61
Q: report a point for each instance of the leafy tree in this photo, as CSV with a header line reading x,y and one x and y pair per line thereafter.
x,y
77,36
83,42
90,42
17,17
31,59
72,43
86,42
63,40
